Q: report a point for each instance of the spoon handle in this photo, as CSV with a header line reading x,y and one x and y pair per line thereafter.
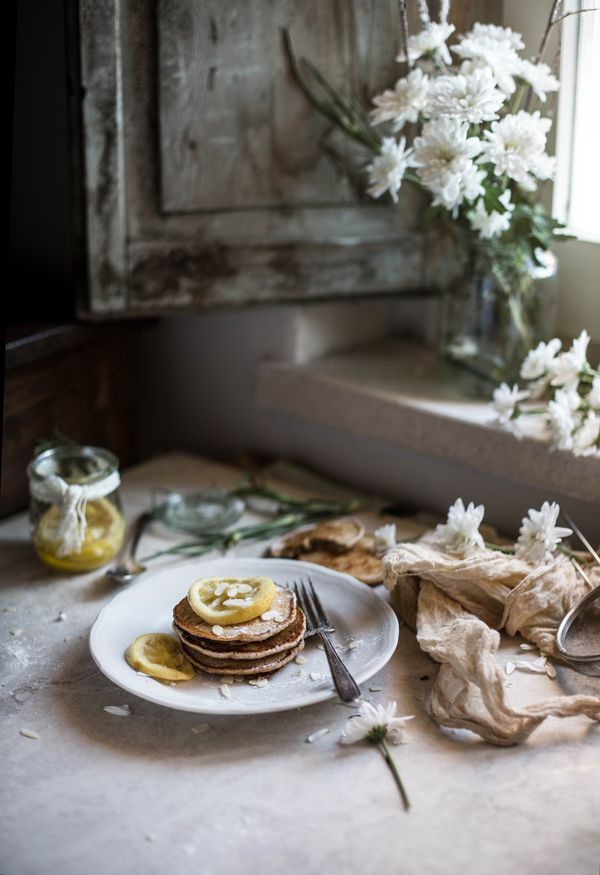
x,y
138,531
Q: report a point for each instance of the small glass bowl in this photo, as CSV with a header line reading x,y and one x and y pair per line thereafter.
x,y
197,513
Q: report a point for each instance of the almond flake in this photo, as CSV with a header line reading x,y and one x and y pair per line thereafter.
x,y
217,630
271,615
300,660
314,736
510,667
226,679
550,670
29,733
203,727
118,710
61,617
375,689
527,646
16,633
225,691
315,676
320,647
258,682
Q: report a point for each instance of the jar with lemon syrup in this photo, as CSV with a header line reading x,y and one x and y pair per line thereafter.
x,y
77,522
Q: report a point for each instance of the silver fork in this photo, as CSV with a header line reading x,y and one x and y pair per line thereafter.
x,y
317,623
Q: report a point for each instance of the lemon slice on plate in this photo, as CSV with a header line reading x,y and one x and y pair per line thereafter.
x,y
159,656
224,601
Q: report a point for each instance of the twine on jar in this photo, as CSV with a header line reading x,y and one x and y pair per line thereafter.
x,y
71,500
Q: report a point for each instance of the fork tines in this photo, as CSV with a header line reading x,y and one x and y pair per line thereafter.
x,y
310,603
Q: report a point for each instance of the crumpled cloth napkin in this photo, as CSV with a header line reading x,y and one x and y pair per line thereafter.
x,y
457,605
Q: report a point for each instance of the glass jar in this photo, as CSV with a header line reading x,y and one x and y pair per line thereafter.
x,y
495,312
77,522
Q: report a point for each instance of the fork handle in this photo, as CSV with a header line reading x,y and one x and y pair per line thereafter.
x,y
347,688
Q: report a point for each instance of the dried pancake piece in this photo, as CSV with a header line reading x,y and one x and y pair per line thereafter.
x,y
248,668
358,562
219,650
335,536
283,608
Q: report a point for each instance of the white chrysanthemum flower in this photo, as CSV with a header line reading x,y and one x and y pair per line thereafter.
x,y
473,98
544,265
563,417
443,156
492,224
460,533
387,170
404,103
593,397
505,401
568,365
431,40
515,146
539,535
488,45
385,538
375,723
538,361
539,76
586,440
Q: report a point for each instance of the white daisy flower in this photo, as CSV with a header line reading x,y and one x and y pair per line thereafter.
x,y
568,365
473,98
515,146
586,438
593,397
387,170
443,156
374,723
404,103
431,40
538,361
539,535
492,224
539,76
385,538
488,45
460,534
563,418
505,401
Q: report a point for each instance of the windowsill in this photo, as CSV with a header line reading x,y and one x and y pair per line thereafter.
x,y
392,390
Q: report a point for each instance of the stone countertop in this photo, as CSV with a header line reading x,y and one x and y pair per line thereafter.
x,y
98,793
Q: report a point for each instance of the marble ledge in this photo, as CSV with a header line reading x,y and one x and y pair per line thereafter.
x,y
395,391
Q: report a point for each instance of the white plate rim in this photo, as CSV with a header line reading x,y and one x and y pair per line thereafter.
x,y
224,709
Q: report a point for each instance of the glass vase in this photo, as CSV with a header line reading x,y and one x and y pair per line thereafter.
x,y
494,313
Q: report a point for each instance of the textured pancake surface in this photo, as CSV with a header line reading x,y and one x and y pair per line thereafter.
x,y
284,606
281,641
247,668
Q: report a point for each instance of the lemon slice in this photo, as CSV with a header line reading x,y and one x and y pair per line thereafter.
x,y
226,600
159,656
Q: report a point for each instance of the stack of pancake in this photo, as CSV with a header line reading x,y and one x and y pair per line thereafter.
x,y
255,648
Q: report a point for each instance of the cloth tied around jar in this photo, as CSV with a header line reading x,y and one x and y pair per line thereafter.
x,y
72,499
457,607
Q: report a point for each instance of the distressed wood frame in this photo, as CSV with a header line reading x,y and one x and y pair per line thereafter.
x,y
143,261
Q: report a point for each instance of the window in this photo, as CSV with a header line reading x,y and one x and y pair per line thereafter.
x,y
577,188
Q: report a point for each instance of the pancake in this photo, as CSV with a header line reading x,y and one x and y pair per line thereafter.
x,y
247,668
284,603
358,562
335,536
219,650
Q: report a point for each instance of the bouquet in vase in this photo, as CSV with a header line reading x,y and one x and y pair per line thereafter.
x,y
467,125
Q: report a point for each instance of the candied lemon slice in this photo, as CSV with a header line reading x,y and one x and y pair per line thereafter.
x,y
159,656
226,600
105,526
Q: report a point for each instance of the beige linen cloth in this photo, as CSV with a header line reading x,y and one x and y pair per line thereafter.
x,y
457,605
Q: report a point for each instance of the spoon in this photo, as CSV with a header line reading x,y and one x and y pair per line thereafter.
x,y
127,568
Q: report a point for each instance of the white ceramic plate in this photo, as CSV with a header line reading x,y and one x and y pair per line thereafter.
x,y
366,636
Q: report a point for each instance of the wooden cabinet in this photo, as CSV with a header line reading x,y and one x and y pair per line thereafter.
x,y
205,179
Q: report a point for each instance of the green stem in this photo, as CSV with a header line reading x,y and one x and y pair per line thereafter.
x,y
507,550
387,755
